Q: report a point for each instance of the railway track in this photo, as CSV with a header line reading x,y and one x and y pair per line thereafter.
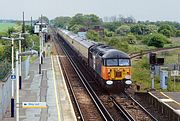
x,y
87,102
134,111
110,107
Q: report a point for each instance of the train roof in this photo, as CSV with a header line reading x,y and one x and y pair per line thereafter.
x,y
113,53
85,42
103,50
108,52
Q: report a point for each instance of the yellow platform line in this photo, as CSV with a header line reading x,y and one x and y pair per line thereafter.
x,y
34,106
170,98
55,90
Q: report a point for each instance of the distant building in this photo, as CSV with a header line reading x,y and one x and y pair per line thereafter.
x,y
39,25
82,33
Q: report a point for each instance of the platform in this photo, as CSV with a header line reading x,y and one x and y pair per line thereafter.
x,y
48,87
168,102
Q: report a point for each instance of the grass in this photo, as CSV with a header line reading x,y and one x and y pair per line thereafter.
x,y
5,26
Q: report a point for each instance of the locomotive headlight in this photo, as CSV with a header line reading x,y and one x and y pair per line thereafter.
x,y
128,82
128,77
109,82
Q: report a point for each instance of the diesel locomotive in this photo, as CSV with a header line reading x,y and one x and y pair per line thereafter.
x,y
111,67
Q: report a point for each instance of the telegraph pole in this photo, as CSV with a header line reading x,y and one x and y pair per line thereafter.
x,y
23,26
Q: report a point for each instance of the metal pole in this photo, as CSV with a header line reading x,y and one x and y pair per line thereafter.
x,y
20,78
152,77
42,49
17,87
23,28
40,53
174,82
12,80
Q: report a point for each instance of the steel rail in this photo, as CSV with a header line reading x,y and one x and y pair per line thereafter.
x,y
103,111
124,113
70,87
147,112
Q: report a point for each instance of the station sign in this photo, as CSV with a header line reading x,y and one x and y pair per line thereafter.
x,y
34,105
175,73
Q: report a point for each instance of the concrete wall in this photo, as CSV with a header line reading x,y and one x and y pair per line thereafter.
x,y
5,96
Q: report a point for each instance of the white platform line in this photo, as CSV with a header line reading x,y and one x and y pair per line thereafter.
x,y
55,90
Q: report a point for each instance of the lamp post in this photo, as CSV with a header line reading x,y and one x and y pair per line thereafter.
x,y
32,52
20,74
13,77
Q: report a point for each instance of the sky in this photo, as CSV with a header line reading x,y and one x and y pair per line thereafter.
x,y
153,10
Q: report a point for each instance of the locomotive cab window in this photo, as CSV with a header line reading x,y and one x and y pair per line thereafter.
x,y
124,62
112,62
117,62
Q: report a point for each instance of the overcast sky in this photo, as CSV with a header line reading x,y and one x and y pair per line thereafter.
x,y
140,9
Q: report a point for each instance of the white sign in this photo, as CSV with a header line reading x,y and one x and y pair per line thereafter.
x,y
34,105
175,73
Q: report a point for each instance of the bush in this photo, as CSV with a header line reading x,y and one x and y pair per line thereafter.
x,y
130,38
123,30
156,40
108,33
166,32
119,44
178,33
92,35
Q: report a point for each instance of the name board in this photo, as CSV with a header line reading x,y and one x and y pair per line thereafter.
x,y
34,105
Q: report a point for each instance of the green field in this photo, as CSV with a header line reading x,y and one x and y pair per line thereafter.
x,y
5,26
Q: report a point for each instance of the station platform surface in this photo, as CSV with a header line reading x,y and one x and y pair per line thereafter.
x,y
49,87
171,99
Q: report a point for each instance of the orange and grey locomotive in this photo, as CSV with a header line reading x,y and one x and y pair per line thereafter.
x,y
111,67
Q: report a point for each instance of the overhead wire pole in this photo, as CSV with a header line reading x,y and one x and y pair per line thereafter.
x,y
40,49
23,27
17,87
12,80
20,66
20,75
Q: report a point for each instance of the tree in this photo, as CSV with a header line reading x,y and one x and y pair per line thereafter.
x,y
111,26
10,31
130,38
166,30
62,22
44,19
75,28
178,33
29,28
152,28
119,44
156,40
92,35
123,30
140,29
108,33
85,20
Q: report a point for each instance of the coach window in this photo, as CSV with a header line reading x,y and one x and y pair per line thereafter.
x,y
112,62
124,62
